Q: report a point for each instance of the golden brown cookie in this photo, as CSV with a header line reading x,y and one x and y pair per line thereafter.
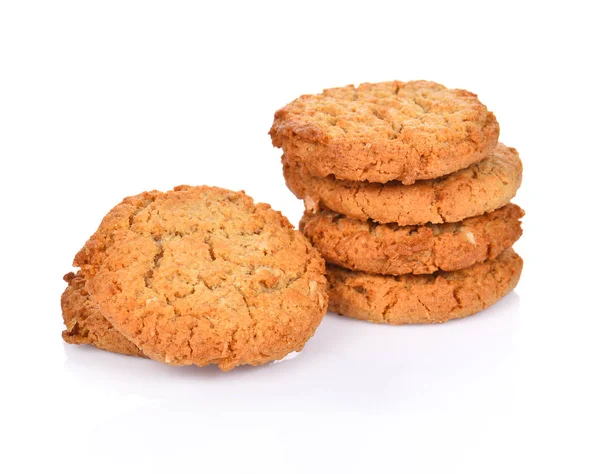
x,y
416,299
86,324
202,275
482,187
403,131
392,249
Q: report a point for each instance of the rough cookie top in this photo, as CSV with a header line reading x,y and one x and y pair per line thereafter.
x,y
202,275
395,130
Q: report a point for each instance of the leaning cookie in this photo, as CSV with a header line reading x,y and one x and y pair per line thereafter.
x,y
417,299
86,324
403,131
396,250
202,275
482,187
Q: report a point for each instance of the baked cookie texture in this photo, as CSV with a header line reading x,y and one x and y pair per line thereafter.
x,y
203,275
397,250
482,187
86,324
402,131
418,299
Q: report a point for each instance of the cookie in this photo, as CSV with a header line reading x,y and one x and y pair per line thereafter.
x,y
482,187
402,131
417,299
392,249
202,275
86,324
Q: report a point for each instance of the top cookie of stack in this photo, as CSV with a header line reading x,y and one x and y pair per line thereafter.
x,y
379,166
402,131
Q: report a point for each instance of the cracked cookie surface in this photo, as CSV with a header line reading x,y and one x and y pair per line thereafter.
x,y
403,131
422,299
395,250
203,275
86,324
482,187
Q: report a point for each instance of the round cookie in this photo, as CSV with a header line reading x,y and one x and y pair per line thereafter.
x,y
394,250
86,324
202,275
482,187
403,131
420,299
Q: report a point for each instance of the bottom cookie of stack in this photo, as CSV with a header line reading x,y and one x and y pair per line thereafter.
x,y
419,299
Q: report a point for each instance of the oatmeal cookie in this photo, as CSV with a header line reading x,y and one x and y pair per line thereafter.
x,y
482,187
203,275
402,131
395,250
418,299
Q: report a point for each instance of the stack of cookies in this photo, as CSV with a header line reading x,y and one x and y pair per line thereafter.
x,y
407,195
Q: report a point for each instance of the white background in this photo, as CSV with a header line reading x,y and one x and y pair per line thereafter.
x,y
100,100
